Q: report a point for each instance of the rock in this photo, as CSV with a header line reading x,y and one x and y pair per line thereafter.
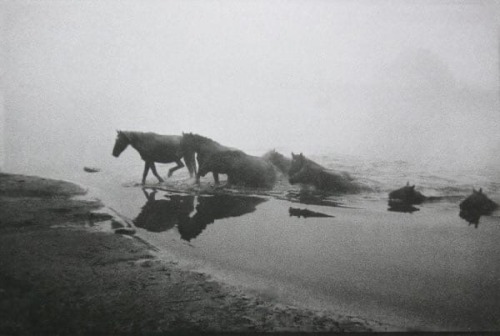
x,y
91,169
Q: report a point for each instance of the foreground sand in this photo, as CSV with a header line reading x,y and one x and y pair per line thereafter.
x,y
57,275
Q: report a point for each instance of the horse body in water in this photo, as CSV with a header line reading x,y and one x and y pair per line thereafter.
x,y
476,205
191,144
306,171
407,194
155,148
241,168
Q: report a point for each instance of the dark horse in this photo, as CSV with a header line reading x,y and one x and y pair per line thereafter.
x,y
203,147
306,171
241,168
279,160
476,205
155,148
403,199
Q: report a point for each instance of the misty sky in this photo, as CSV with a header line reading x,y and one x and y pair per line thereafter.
x,y
415,80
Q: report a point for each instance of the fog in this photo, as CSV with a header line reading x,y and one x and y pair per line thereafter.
x,y
398,80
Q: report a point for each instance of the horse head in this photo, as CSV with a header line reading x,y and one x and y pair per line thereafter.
x,y
278,160
121,142
296,164
478,202
407,195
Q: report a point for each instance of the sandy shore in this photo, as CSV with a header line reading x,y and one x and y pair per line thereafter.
x,y
58,275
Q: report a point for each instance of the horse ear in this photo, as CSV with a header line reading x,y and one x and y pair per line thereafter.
x,y
413,186
407,183
293,155
480,190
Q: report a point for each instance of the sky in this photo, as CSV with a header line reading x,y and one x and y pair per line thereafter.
x,y
398,80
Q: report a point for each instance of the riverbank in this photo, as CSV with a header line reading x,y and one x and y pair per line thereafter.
x,y
60,274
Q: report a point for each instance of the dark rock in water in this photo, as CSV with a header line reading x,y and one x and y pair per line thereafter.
x,y
125,231
91,169
476,205
407,194
305,213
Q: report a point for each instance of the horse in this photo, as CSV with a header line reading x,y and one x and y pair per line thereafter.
x,y
306,171
153,148
406,195
279,160
476,205
241,168
203,147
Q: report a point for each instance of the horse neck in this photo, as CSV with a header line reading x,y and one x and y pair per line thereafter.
x,y
314,165
132,138
139,141
207,145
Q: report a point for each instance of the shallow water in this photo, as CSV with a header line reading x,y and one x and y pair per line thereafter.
x,y
428,269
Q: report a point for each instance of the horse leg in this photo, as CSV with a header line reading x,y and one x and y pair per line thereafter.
x,y
191,164
153,168
179,166
200,162
216,177
146,170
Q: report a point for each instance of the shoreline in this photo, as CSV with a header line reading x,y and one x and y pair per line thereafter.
x,y
58,276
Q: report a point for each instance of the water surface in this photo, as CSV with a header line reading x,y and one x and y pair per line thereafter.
x,y
426,269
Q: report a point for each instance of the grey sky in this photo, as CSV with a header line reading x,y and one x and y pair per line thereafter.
x,y
399,79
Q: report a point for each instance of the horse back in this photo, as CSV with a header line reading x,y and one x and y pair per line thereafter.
x,y
337,182
158,148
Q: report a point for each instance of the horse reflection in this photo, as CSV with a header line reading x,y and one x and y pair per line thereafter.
x,y
191,214
162,215
472,217
399,206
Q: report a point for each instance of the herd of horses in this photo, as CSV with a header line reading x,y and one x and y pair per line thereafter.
x,y
261,172
241,168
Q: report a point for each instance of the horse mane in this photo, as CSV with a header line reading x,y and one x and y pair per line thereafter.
x,y
201,138
142,137
310,163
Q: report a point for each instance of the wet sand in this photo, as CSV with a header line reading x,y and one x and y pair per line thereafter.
x,y
60,274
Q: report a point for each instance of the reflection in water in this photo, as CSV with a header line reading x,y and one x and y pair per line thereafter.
x,y
401,206
162,215
313,197
306,213
470,216
191,219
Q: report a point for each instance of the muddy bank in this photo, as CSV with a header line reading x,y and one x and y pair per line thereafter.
x,y
59,274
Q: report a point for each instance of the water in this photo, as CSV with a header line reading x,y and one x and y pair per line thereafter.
x,y
427,270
